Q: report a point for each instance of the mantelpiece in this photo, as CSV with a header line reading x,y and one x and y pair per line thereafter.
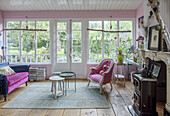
x,y
160,56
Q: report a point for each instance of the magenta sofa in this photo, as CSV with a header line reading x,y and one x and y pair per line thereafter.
x,y
11,82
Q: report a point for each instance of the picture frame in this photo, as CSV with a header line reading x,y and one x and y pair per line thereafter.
x,y
155,70
154,38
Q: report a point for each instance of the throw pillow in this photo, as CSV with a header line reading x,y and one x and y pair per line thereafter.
x,y
7,71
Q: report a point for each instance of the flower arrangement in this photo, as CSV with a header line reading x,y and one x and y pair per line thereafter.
x,y
119,50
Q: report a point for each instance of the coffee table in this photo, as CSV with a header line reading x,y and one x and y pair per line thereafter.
x,y
54,80
67,75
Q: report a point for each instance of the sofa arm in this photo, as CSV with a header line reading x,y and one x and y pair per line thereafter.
x,y
3,85
20,68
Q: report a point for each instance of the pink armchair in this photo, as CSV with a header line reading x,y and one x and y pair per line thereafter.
x,y
102,74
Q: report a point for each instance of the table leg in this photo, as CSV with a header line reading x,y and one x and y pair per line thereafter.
x,y
117,74
55,96
124,75
75,82
66,86
128,70
63,87
52,87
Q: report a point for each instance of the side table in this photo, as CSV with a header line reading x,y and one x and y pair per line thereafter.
x,y
54,80
67,75
122,75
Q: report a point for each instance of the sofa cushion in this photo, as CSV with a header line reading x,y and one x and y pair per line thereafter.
x,y
7,71
16,77
96,77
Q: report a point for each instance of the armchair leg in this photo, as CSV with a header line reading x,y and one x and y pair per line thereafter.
x,y
111,85
26,83
88,82
101,89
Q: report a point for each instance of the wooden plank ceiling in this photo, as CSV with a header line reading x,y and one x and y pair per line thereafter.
x,y
21,5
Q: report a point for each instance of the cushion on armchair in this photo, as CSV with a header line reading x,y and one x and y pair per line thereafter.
x,y
7,71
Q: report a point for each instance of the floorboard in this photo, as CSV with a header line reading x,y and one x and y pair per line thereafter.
x,y
119,98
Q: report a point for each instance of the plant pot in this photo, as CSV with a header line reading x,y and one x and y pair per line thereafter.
x,y
120,58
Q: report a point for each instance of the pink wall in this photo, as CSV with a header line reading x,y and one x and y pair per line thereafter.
x,y
70,14
139,13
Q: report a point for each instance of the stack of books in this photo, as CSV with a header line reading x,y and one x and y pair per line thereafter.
x,y
41,74
33,74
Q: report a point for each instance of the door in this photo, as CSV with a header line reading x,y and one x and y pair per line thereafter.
x,y
69,47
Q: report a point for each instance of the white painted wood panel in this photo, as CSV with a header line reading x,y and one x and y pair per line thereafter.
x,y
22,5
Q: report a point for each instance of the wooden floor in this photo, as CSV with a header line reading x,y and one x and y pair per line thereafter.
x,y
119,98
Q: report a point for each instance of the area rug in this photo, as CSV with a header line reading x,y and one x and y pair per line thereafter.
x,y
39,95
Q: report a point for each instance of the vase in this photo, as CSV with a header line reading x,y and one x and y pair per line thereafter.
x,y
120,58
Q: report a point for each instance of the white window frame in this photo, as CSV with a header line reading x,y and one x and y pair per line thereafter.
x,y
5,42
113,19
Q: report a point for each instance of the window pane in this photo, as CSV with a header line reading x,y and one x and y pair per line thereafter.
x,y
61,50
43,39
13,39
61,58
76,58
95,41
110,39
76,42
76,26
28,39
61,42
62,26
95,24
110,25
76,34
76,50
62,34
125,38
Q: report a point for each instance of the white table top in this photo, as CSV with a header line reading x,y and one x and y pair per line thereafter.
x,y
56,78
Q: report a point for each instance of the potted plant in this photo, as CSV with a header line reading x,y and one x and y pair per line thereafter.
x,y
120,56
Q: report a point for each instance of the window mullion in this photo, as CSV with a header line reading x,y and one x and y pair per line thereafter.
x,y
20,42
35,38
118,39
102,40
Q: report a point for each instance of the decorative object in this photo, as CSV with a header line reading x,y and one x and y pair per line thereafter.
x,y
26,28
155,69
154,38
140,22
155,6
140,42
102,74
38,95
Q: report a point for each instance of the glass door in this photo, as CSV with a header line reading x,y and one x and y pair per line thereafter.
x,y
69,47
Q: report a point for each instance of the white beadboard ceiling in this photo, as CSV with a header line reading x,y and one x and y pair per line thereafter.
x,y
21,5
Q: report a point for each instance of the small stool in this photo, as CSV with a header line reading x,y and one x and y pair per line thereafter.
x,y
56,73
54,80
